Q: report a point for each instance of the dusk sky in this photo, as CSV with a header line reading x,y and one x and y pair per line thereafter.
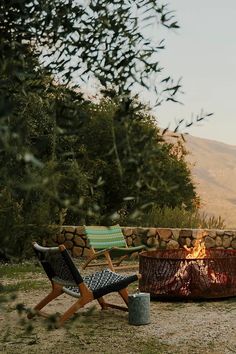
x,y
203,53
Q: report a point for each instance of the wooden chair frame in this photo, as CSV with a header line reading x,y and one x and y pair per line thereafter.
x,y
60,283
108,251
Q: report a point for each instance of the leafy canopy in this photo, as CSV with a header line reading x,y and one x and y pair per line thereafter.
x,y
63,158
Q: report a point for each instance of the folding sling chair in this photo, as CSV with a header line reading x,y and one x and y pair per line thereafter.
x,y
109,241
66,278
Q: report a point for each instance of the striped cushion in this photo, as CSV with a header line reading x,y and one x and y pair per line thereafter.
x,y
101,237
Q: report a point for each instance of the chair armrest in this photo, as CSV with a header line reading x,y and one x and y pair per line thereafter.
x,y
100,253
128,250
95,255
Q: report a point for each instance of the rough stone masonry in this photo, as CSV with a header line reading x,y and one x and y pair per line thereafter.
x,y
74,239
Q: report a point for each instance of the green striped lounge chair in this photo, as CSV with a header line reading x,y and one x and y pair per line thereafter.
x,y
108,241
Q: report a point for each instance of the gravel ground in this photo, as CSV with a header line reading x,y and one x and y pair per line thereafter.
x,y
176,327
207,325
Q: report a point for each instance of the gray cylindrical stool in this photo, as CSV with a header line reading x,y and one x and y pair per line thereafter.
x,y
139,309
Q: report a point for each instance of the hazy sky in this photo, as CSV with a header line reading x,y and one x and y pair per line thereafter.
x,y
203,53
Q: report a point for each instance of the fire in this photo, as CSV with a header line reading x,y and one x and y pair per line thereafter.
x,y
198,251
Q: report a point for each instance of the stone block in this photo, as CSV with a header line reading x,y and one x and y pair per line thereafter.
x,y
77,251
164,234
229,233
175,234
182,241
127,231
140,231
233,244
185,233
218,241
68,244
153,242
209,242
188,242
152,232
163,244
156,243
79,230
79,241
226,241
137,241
69,236
129,240
172,244
70,229
197,233
220,232
60,239
212,233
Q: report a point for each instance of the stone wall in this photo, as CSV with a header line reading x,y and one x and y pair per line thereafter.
x,y
75,240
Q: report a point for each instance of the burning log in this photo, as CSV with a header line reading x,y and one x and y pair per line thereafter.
x,y
173,273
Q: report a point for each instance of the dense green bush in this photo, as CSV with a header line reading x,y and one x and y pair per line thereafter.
x,y
129,157
11,221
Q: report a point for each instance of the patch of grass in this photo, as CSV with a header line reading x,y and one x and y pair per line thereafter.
x,y
152,346
99,330
24,286
11,271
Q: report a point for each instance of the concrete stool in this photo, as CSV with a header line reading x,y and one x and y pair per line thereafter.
x,y
139,309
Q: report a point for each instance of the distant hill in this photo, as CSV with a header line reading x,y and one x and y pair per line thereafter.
x,y
213,165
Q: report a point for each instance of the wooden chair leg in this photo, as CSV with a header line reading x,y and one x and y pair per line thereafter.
x,y
121,259
71,311
102,303
125,295
56,291
109,261
86,297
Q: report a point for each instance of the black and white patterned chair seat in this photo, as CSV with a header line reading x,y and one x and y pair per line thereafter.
x,y
102,283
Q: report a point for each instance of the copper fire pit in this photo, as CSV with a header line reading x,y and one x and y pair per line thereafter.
x,y
168,274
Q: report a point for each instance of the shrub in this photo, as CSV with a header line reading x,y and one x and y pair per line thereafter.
x,y
180,218
11,221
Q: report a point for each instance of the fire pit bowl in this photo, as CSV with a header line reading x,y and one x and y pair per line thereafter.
x,y
169,274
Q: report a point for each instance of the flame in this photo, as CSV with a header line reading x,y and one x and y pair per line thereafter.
x,y
198,251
